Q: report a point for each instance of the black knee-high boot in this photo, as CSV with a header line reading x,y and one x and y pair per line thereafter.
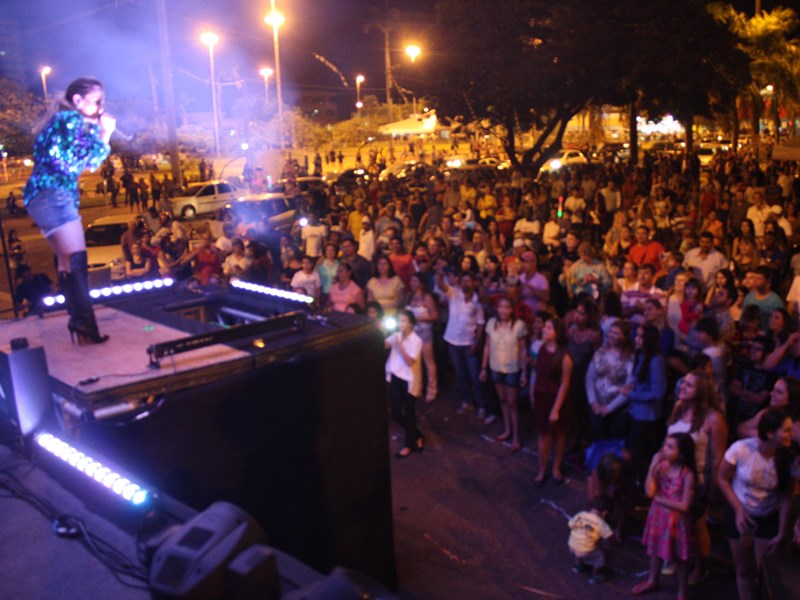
x,y
79,304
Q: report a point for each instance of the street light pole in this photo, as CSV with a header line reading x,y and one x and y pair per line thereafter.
x,y
388,60
210,39
266,73
276,19
413,51
359,104
45,71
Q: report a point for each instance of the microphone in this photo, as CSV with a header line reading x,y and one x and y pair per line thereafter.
x,y
122,134
117,131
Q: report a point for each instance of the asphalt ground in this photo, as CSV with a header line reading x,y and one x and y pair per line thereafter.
x,y
471,523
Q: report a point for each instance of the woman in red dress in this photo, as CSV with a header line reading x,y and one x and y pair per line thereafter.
x,y
553,370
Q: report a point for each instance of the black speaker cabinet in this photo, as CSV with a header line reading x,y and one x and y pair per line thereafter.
x,y
300,442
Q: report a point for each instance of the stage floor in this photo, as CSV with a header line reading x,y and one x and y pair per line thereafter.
x,y
119,365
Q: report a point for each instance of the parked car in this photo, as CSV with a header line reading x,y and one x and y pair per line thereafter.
x,y
564,158
279,210
202,198
349,179
103,249
705,155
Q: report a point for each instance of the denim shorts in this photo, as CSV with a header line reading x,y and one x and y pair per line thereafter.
x,y
506,379
52,208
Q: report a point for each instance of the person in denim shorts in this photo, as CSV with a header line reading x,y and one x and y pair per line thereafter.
x,y
72,137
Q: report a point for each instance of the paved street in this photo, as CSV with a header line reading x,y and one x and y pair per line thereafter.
x,y
470,523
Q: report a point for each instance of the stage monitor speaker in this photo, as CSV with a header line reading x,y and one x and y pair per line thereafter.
x,y
26,399
192,561
253,575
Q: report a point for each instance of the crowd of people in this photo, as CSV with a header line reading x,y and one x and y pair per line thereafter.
x,y
623,305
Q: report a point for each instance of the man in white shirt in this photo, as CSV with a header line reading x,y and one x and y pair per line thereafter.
x,y
313,236
224,241
612,200
366,240
463,334
705,260
552,231
576,205
758,213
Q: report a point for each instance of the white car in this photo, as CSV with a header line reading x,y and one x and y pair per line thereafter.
x,y
279,210
106,261
203,198
564,158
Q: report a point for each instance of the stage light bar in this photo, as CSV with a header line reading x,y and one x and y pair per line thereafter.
x,y
114,290
94,469
268,291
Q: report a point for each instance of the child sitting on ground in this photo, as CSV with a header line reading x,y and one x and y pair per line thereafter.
x,y
587,530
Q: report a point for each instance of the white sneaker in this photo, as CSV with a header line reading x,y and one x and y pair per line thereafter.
x,y
668,569
490,419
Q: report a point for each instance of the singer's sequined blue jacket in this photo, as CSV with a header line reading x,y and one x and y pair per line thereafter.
x,y
66,146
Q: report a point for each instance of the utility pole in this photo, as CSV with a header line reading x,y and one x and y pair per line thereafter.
x,y
388,59
385,23
169,90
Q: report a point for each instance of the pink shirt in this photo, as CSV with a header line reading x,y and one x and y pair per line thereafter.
x,y
342,298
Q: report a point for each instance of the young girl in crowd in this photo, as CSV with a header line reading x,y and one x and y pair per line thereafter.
x,y
668,530
504,352
691,307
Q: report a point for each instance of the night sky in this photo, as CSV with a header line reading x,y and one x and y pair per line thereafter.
x,y
117,41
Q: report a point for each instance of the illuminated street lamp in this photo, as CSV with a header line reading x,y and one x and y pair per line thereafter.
x,y
359,81
275,20
413,52
210,39
266,73
45,71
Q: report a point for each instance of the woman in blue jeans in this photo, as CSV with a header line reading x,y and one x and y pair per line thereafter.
x,y
645,398
74,137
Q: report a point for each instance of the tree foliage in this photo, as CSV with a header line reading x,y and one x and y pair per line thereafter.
x,y
773,49
537,63
19,113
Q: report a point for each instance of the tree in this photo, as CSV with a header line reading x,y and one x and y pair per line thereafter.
x,y
769,40
530,68
541,62
19,113
685,63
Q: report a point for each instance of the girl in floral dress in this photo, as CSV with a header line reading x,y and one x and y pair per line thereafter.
x,y
667,532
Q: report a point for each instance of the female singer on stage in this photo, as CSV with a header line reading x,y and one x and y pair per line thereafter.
x,y
73,136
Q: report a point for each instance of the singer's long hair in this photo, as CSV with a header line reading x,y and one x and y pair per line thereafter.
x,y
63,101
